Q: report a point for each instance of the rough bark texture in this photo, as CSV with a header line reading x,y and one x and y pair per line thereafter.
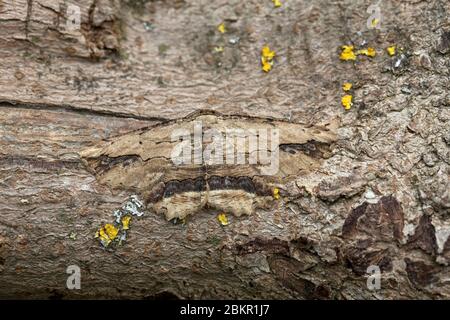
x,y
381,198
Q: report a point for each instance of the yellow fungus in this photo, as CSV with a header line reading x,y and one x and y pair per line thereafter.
x,y
267,67
276,193
276,3
391,50
111,231
221,28
347,86
347,101
267,53
223,219
126,222
107,234
347,53
104,237
370,52
374,22
266,58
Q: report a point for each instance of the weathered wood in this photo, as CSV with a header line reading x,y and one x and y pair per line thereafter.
x,y
380,197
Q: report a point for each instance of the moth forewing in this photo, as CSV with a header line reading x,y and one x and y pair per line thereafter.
x,y
210,161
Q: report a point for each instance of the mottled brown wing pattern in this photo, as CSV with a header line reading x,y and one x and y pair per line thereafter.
x,y
142,161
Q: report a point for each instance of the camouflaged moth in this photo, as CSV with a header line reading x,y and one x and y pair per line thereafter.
x,y
178,175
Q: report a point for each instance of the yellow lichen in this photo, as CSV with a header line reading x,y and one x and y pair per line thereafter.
x,y
347,101
276,3
267,56
370,52
107,234
221,28
266,66
223,219
374,22
267,53
347,86
276,193
347,53
111,231
391,50
126,222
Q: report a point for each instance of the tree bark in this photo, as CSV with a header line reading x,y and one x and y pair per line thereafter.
x,y
379,198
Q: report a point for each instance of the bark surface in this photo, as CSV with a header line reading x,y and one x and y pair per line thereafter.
x,y
381,197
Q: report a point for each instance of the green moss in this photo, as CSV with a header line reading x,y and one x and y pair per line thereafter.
x,y
162,49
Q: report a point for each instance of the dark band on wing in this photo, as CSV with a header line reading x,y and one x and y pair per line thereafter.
x,y
199,184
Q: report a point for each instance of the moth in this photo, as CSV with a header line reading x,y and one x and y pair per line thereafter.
x,y
207,160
